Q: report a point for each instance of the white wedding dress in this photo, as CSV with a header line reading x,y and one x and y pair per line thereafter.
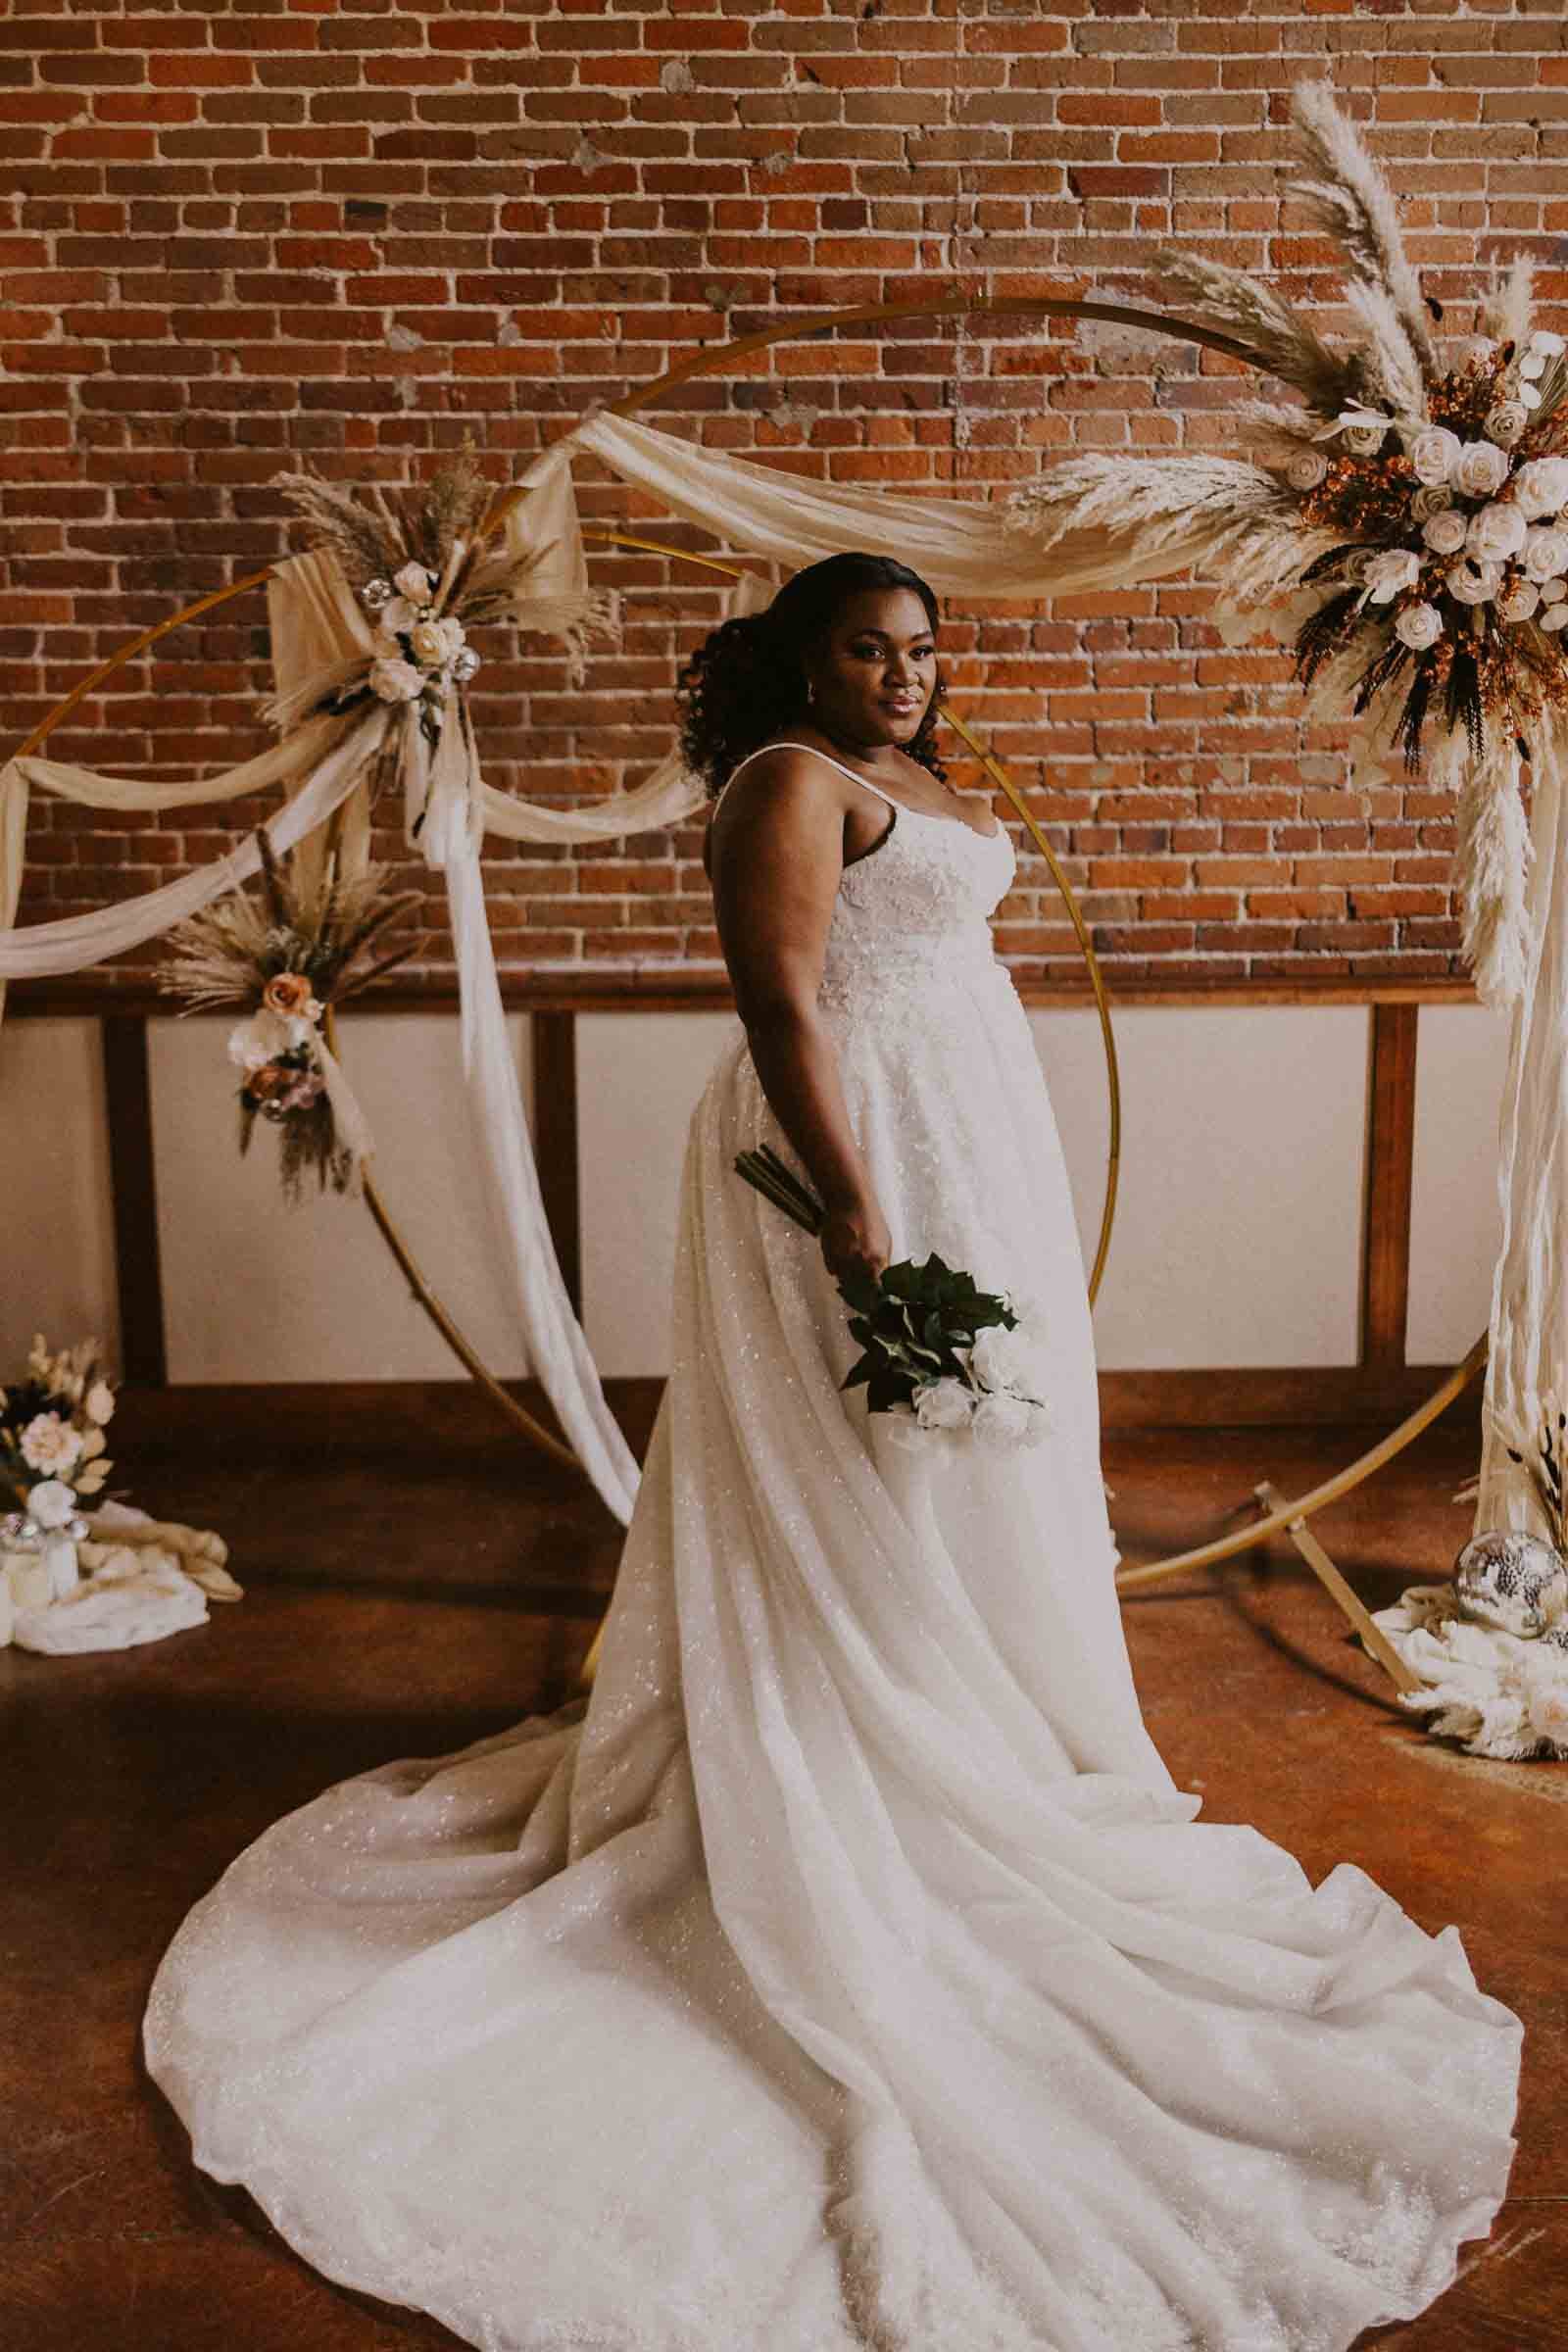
x,y
847,1974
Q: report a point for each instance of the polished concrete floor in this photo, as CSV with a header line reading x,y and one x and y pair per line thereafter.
x,y
414,1581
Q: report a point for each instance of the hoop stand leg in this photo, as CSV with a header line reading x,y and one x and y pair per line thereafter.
x,y
1372,1635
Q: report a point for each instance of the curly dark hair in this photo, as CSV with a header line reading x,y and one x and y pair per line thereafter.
x,y
746,680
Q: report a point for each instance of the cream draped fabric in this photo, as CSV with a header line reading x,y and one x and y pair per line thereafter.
x,y
776,517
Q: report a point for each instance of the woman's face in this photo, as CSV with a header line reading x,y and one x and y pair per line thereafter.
x,y
876,672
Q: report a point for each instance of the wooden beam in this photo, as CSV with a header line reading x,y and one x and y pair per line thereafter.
x,y
554,1108
1390,1163
138,1272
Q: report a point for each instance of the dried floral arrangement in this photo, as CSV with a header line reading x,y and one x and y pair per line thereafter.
x,y
427,574
1403,528
52,1427
290,950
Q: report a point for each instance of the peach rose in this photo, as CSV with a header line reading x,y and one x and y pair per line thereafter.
x,y
288,993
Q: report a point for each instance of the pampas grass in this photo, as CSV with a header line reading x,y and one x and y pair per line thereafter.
x,y
1286,343
1349,200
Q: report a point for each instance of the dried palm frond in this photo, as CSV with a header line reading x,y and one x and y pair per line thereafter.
x,y
1508,310
1157,501
368,541
455,497
1352,202
1392,374
226,953
1286,343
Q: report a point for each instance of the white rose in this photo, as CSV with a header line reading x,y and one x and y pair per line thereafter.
x,y
100,1402
395,681
1445,533
1518,601
393,621
1418,626
1546,551
261,1038
1432,498
1004,1422
1480,468
1507,420
1307,469
1477,348
1364,440
51,1504
413,582
1496,530
1540,486
944,1403
997,1357
1434,454
1394,568
437,641
1472,583
49,1444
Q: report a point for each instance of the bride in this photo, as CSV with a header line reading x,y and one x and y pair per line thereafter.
x,y
846,1972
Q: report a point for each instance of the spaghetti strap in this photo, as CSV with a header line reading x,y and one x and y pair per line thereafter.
x,y
791,743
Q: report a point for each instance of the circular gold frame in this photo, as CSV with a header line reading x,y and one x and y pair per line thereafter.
x,y
1285,1515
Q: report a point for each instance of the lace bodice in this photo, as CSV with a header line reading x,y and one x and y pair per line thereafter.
x,y
915,909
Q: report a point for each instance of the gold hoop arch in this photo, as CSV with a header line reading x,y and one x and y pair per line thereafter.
x,y
706,363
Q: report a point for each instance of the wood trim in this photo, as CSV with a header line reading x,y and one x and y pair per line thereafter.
x,y
355,1411
554,1108
133,1199
700,988
1390,1166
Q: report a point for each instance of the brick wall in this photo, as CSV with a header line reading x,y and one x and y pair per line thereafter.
x,y
235,237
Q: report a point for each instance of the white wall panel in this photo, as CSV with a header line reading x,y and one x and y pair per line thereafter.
x,y
1237,1227
257,1291
1237,1232
56,1251
639,1075
1462,1060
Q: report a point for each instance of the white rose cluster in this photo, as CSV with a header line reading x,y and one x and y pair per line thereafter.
x,y
1002,1404
416,654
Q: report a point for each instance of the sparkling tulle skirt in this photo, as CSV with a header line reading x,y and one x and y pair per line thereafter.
x,y
849,1971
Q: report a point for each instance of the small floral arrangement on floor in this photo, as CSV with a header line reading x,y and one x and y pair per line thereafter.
x,y
422,568
1491,1645
941,1355
289,950
52,1454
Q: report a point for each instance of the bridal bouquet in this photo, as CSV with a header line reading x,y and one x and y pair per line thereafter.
x,y
288,953
943,1358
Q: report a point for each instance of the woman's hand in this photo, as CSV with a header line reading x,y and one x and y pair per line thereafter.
x,y
855,1233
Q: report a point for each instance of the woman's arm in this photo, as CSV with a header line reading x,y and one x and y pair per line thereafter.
x,y
776,856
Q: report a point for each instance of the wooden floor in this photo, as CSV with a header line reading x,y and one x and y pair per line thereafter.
x,y
414,1579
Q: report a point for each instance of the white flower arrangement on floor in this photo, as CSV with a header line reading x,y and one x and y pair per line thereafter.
x,y
1491,1647
144,1578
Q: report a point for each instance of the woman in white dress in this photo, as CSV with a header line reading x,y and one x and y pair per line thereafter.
x,y
846,1974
